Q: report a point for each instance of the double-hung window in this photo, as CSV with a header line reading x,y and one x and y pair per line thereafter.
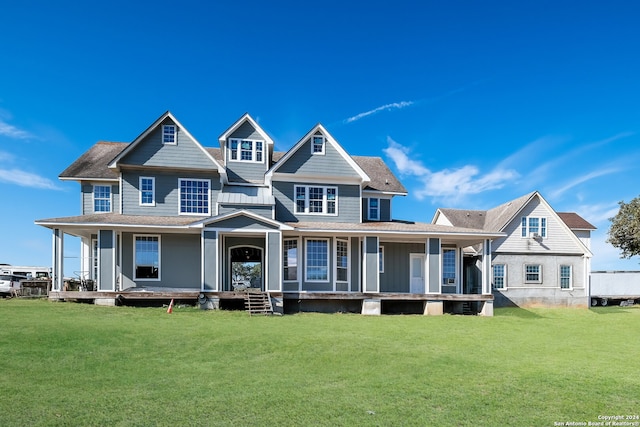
x,y
374,209
565,277
290,260
533,226
317,144
146,253
316,200
317,260
169,134
194,196
499,276
102,198
147,191
246,150
533,273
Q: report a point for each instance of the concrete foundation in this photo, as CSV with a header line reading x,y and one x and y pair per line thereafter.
x,y
109,302
277,304
434,308
209,303
372,307
487,309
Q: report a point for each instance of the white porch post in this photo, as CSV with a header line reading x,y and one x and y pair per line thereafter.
x,y
57,264
486,267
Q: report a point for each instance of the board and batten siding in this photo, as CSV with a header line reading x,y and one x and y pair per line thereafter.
x,y
166,191
179,261
559,239
348,204
86,194
331,164
395,277
186,153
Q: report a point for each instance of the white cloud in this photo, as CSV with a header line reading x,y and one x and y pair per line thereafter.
x,y
26,179
584,178
450,183
6,157
13,132
386,107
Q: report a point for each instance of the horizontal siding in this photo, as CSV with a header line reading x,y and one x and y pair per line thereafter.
x,y
246,131
246,171
243,222
559,238
331,164
396,265
166,192
349,204
152,152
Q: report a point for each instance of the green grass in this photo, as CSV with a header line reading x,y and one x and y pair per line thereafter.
x,y
67,364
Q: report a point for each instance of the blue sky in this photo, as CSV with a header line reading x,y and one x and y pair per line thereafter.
x,y
472,104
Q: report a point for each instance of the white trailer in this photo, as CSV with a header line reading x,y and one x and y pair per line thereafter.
x,y
614,287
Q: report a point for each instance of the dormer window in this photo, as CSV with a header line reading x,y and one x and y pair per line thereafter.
x,y
246,150
317,144
169,134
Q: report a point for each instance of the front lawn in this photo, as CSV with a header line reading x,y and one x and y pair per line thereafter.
x,y
76,364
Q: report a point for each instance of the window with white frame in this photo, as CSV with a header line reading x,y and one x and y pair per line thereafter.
x,y
290,260
381,259
448,266
147,191
342,260
374,209
317,144
102,198
533,226
533,273
565,277
317,260
246,150
499,276
316,200
169,134
194,196
146,253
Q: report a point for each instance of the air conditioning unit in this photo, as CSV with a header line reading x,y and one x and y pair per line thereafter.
x,y
534,235
451,281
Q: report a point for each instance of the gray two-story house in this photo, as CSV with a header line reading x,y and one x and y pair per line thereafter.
x,y
165,214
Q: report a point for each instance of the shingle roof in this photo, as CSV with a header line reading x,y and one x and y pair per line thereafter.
x,y
575,221
125,220
382,179
393,226
93,163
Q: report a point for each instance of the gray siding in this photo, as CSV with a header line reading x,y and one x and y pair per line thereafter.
x,y
106,260
167,193
331,164
396,265
371,264
248,171
246,131
86,191
433,265
355,264
384,207
348,204
243,222
210,259
180,257
187,153
274,263
265,211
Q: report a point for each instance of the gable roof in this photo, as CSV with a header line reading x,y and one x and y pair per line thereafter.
x,y
575,221
93,163
382,179
329,139
246,118
154,125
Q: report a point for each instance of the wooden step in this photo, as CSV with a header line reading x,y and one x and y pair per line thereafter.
x,y
258,302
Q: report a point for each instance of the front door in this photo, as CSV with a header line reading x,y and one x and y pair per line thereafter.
x,y
416,273
246,268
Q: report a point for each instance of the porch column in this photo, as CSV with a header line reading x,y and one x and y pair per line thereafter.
x,y
209,260
434,265
486,267
273,262
57,279
107,260
371,269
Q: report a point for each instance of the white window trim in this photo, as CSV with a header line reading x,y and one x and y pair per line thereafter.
x,y
335,256
180,180
307,200
153,190
135,236
539,234
298,263
504,278
539,281
369,217
380,259
570,288
306,264
324,144
238,150
174,132
93,198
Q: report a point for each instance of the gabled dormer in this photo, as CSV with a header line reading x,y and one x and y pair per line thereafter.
x,y
246,151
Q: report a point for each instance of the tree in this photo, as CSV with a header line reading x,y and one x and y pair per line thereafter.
x,y
624,232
